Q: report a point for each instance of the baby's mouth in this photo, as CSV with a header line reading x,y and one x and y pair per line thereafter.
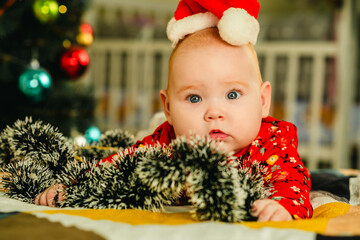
x,y
217,134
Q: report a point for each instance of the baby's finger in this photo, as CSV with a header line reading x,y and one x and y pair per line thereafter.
x,y
51,195
51,199
43,198
61,197
60,193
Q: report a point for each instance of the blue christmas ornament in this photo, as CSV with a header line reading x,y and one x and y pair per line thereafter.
x,y
92,134
35,84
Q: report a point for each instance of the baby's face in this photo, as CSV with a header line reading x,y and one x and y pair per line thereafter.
x,y
215,90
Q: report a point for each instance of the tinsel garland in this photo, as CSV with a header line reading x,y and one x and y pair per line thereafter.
x,y
111,185
32,148
116,138
217,190
6,155
145,178
35,141
32,154
23,180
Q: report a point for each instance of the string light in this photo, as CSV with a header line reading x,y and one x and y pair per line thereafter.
x,y
66,43
85,36
62,9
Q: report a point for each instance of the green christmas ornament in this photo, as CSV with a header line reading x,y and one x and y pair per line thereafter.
x,y
35,83
46,11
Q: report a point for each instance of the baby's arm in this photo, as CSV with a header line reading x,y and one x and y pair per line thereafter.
x,y
47,197
269,210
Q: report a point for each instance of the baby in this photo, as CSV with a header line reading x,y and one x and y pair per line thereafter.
x,y
215,90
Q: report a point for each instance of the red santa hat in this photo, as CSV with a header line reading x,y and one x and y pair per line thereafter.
x,y
235,19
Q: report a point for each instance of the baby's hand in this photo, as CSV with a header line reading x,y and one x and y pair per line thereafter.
x,y
269,210
47,197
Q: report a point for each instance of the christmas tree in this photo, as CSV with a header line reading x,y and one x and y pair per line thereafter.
x,y
42,56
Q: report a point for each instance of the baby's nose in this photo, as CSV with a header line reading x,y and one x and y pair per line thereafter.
x,y
214,114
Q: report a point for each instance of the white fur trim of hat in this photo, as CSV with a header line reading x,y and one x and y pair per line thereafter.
x,y
177,30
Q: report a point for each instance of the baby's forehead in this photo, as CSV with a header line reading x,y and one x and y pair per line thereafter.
x,y
198,39
207,41
205,38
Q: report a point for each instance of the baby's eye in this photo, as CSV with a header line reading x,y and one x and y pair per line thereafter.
x,y
194,98
233,95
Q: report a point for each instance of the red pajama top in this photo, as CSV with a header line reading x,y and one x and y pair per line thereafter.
x,y
276,147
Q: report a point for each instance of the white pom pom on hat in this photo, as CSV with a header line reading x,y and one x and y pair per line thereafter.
x,y
235,19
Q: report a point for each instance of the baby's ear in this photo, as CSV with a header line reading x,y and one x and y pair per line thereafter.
x,y
265,90
164,96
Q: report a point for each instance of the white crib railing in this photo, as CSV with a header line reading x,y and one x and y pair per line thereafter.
x,y
127,76
317,52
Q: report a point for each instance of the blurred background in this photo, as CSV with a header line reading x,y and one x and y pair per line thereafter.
x,y
87,66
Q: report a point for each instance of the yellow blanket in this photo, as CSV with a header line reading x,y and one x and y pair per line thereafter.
x,y
329,219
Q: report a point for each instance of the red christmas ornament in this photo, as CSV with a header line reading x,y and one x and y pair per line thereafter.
x,y
74,62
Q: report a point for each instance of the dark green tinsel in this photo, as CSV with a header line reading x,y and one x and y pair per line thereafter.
x,y
116,138
161,172
213,187
32,154
6,155
38,156
216,190
111,185
24,180
40,143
